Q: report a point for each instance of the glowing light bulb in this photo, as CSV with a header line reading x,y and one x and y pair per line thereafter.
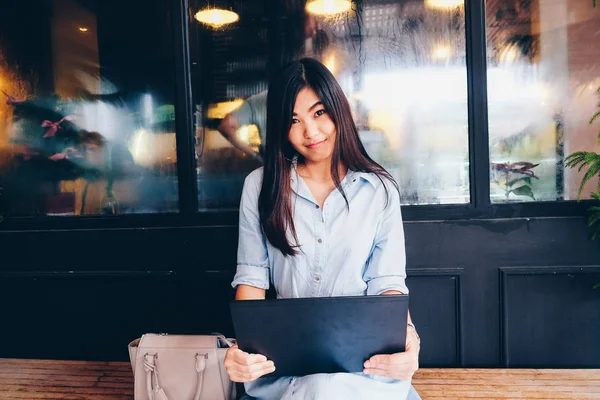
x,y
216,18
328,7
444,4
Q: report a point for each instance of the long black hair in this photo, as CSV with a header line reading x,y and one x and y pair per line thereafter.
x,y
274,203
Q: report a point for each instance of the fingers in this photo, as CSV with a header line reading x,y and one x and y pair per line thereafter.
x,y
244,358
247,373
381,359
250,369
244,367
398,366
402,375
247,376
375,371
384,360
403,371
412,341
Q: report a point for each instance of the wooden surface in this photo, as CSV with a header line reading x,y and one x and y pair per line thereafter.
x,y
68,380
492,384
88,380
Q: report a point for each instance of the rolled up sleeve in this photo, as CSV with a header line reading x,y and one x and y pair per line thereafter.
x,y
386,269
252,255
243,114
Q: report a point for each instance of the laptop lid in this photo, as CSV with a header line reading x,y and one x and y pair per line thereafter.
x,y
321,334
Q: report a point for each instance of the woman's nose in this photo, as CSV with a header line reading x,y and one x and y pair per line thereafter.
x,y
310,130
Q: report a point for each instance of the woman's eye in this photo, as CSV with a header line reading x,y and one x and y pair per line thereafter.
x,y
295,120
320,112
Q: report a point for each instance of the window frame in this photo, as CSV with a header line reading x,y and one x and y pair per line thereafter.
x,y
188,215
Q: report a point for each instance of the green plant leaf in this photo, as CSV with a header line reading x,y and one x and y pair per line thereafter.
x,y
575,159
595,217
594,117
524,190
594,209
596,286
525,179
591,172
591,157
573,156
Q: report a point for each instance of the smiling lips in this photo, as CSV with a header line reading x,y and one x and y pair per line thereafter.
x,y
315,145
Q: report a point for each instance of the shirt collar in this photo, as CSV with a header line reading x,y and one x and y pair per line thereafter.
x,y
368,177
298,185
371,178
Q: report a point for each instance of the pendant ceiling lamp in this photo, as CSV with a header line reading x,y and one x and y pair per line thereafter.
x,y
216,17
444,4
328,7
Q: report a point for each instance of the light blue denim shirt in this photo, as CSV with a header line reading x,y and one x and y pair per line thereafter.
x,y
343,252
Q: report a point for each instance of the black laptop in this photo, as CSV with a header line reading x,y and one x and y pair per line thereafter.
x,y
321,334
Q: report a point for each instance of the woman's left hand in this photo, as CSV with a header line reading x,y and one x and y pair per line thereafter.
x,y
400,366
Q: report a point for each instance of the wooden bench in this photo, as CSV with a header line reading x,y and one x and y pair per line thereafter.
x,y
92,380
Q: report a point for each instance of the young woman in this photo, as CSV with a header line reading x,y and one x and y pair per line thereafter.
x,y
321,218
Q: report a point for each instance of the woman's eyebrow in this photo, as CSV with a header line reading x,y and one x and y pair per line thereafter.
x,y
318,103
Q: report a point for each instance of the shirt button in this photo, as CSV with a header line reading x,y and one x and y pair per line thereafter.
x,y
320,240
317,278
317,206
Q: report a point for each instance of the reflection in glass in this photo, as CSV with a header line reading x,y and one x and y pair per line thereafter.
x,y
444,4
328,7
543,73
216,17
401,65
86,108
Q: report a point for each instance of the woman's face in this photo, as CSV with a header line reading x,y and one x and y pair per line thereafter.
x,y
313,132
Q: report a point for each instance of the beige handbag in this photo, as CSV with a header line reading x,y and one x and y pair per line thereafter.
x,y
180,367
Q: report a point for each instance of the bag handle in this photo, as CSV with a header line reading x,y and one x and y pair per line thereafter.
x,y
155,392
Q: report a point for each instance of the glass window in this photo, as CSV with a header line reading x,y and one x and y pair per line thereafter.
x,y
400,63
86,107
543,76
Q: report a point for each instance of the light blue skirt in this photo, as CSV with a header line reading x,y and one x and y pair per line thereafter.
x,y
342,386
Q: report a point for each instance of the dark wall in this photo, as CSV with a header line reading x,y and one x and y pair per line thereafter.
x,y
507,292
25,42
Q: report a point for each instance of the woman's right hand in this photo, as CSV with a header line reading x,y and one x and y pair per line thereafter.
x,y
244,367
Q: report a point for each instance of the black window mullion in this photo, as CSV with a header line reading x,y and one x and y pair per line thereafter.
x,y
479,154
185,138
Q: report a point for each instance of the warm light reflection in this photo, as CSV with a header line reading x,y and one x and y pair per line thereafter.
x,y
442,52
249,134
220,110
328,7
329,62
83,29
244,133
150,149
216,18
509,55
444,4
